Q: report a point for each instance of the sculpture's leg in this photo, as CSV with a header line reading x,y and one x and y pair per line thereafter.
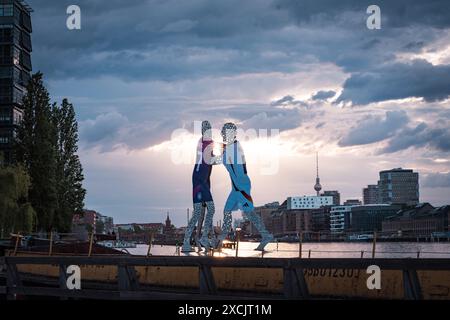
x,y
258,223
200,227
204,241
190,228
226,226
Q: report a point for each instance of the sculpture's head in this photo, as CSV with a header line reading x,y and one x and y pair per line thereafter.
x,y
206,130
229,132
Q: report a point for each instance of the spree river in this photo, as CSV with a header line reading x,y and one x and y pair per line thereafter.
x,y
320,250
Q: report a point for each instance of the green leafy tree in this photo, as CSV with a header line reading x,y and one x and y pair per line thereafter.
x,y
46,145
16,213
36,149
69,172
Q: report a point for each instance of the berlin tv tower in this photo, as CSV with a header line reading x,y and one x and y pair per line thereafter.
x,y
317,186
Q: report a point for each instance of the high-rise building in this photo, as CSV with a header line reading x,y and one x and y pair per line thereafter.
x,y
15,68
398,186
370,194
335,194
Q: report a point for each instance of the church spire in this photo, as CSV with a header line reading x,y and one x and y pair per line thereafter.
x,y
168,222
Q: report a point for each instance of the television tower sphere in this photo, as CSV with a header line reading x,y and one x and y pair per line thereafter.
x,y
317,186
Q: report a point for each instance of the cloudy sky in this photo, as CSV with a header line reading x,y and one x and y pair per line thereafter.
x,y
141,72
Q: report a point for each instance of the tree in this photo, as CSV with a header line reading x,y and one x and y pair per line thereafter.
x,y
36,150
16,213
69,172
46,145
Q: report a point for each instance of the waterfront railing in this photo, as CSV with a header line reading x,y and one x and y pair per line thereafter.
x,y
128,286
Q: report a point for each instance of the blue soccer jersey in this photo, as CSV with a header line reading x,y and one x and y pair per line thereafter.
x,y
234,162
201,185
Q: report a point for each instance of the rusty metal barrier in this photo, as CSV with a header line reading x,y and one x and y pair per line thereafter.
x,y
294,284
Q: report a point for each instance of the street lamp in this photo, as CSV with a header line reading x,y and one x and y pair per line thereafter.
x,y
238,232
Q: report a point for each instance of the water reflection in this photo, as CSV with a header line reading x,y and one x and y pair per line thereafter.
x,y
321,250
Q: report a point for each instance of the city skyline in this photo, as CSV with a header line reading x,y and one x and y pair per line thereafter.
x,y
332,198
312,71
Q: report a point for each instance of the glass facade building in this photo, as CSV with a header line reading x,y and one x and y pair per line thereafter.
x,y
15,68
370,194
369,218
398,186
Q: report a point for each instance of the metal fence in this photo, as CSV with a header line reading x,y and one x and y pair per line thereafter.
x,y
128,286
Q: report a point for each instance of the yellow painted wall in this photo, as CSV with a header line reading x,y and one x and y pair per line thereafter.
x,y
340,283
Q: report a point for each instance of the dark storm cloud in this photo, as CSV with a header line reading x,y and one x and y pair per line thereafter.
x,y
397,13
436,180
151,39
111,130
397,129
374,128
415,46
288,101
283,114
418,79
281,120
170,40
103,127
323,95
436,138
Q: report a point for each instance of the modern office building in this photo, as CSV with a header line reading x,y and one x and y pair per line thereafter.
x,y
398,186
308,202
15,68
370,194
335,194
340,219
321,219
369,218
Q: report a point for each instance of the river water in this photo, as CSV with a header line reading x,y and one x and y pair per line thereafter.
x,y
321,250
